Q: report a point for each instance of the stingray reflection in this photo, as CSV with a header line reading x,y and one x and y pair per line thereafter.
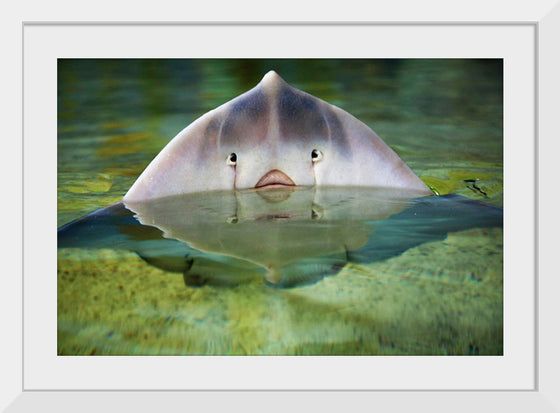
x,y
290,234
287,237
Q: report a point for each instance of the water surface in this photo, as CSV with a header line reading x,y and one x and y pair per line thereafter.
x,y
443,117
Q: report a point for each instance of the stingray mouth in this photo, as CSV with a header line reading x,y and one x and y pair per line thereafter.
x,y
275,179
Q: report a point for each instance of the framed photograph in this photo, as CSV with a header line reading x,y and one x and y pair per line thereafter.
x,y
496,369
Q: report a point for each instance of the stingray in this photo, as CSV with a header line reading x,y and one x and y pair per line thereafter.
x,y
273,135
274,185
286,237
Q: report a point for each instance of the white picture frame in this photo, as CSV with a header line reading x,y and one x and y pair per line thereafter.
x,y
543,21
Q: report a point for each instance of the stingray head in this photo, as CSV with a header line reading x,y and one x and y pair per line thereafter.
x,y
273,135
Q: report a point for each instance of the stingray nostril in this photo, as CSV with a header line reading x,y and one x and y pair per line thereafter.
x,y
316,155
232,159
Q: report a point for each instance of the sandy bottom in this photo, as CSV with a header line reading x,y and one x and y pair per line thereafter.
x,y
438,298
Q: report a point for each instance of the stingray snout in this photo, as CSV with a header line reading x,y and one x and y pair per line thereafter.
x,y
274,178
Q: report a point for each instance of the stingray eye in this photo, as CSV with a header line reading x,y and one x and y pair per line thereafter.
x,y
232,159
316,155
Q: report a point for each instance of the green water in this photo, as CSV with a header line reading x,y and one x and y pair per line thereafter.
x,y
443,117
